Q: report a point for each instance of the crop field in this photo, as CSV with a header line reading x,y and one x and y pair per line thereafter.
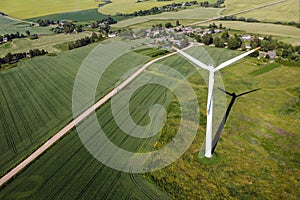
x,y
96,180
80,16
25,9
286,33
286,12
130,6
36,99
48,43
232,6
9,26
188,14
258,147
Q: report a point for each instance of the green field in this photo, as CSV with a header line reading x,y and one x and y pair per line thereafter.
x,y
80,16
45,86
285,33
48,43
9,26
285,12
258,153
188,14
259,145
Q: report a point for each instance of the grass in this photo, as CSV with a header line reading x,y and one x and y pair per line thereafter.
x,y
8,26
258,146
187,14
265,69
285,33
34,8
49,43
130,6
285,12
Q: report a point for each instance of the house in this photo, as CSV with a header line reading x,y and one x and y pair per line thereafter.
x,y
271,54
248,46
246,37
5,40
111,35
218,30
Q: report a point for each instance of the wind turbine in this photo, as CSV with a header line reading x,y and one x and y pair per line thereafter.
x,y
220,128
209,110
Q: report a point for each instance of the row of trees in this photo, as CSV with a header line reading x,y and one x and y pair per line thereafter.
x,y
235,18
67,27
85,41
158,10
12,36
46,22
10,58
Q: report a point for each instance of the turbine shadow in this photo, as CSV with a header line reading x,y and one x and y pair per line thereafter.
x,y
220,128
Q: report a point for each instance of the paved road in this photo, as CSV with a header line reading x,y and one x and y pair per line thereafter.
x,y
77,120
239,12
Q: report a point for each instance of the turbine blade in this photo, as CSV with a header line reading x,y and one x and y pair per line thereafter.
x,y
192,59
248,92
225,92
233,60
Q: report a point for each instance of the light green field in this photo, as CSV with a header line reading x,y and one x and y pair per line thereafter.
x,y
8,26
47,43
130,6
258,146
188,14
286,33
232,6
35,8
285,12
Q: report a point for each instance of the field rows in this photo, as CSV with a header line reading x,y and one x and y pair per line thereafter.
x,y
36,99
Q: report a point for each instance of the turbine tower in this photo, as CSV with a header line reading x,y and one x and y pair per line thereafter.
x,y
209,110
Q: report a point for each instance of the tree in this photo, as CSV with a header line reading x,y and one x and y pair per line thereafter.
x,y
177,23
94,37
233,43
207,39
219,43
225,35
168,25
27,32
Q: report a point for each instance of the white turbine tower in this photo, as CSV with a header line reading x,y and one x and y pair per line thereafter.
x,y
209,111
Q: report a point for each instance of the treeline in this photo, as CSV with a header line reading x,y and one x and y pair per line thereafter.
x,y
243,19
85,41
98,23
172,7
67,27
46,22
10,37
235,18
10,58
